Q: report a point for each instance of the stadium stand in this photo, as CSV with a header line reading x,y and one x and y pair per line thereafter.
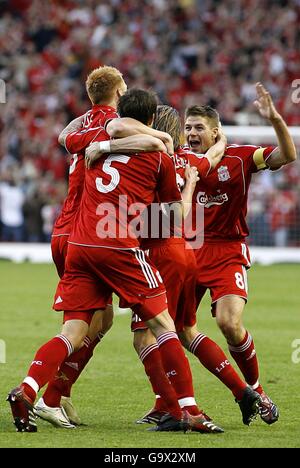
x,y
188,51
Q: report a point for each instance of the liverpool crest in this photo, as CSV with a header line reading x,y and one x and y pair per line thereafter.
x,y
223,174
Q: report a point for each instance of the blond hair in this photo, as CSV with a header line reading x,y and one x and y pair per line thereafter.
x,y
167,120
102,82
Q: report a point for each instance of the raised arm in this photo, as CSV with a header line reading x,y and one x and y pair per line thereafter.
x,y
286,152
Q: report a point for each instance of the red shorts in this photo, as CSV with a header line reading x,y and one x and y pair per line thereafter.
x,y
84,316
59,248
177,266
93,274
221,268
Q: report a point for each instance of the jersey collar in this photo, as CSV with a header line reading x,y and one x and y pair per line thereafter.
x,y
100,107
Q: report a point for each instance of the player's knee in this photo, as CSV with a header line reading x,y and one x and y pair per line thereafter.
x,y
77,341
162,323
223,323
101,323
108,319
75,332
187,335
107,326
229,327
138,340
183,339
142,339
165,320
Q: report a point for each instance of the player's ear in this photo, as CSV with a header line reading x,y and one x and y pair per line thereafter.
x,y
121,90
215,132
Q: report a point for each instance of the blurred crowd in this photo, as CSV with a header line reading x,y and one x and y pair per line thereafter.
x,y
274,207
188,51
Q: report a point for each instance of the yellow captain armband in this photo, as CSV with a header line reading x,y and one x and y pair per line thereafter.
x,y
258,158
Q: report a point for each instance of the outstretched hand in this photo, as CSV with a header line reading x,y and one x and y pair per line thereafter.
x,y
264,103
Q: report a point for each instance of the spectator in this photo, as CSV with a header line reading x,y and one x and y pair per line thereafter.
x,y
49,213
282,211
188,51
11,215
32,210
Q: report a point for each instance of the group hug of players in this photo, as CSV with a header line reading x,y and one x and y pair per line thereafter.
x,y
125,153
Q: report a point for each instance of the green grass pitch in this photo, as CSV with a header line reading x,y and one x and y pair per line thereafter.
x,y
113,391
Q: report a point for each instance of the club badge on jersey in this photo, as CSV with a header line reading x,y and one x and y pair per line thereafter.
x,y
223,174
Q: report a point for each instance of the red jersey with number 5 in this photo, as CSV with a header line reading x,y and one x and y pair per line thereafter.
x,y
117,190
224,192
94,123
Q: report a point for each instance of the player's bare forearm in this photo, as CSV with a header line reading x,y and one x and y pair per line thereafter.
x,y
120,128
187,196
73,126
178,210
123,127
137,144
215,153
131,144
191,179
286,151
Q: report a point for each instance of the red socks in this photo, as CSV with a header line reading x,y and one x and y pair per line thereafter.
x,y
213,358
45,364
151,359
177,369
245,356
68,374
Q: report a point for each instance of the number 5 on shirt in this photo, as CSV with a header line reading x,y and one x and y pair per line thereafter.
x,y
112,172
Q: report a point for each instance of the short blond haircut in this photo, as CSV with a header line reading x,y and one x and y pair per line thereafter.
x,y
102,82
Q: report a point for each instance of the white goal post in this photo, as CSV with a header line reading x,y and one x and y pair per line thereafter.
x,y
256,135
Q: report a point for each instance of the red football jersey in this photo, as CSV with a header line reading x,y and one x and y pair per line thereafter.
x,y
224,192
94,122
116,192
163,228
183,157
